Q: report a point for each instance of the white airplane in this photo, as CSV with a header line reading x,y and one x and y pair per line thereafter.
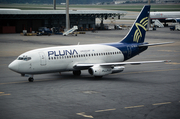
x,y
98,59
166,16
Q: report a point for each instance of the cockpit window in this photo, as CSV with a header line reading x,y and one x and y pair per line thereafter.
x,y
24,58
20,58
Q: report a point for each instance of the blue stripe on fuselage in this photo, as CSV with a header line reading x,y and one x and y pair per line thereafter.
x,y
129,50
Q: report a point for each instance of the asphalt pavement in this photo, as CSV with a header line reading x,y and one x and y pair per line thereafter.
x,y
148,91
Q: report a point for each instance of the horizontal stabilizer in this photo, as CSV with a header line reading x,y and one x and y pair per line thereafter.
x,y
143,45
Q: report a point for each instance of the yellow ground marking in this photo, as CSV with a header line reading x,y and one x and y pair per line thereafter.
x,y
105,110
12,82
3,94
89,116
174,63
83,114
148,71
134,106
23,82
168,50
164,103
3,64
110,74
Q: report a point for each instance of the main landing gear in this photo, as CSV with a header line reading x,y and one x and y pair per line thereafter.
x,y
30,79
98,77
77,73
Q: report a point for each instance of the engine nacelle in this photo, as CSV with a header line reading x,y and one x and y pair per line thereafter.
x,y
117,69
99,70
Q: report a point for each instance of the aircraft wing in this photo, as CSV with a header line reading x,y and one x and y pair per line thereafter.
x,y
87,65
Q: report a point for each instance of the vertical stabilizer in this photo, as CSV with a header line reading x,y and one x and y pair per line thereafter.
x,y
138,30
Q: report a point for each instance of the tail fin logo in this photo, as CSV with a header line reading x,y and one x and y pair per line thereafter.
x,y
138,33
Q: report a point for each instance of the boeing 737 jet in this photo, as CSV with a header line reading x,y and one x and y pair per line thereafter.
x,y
98,59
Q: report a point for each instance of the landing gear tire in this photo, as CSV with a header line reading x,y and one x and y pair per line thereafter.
x,y
98,77
77,73
31,79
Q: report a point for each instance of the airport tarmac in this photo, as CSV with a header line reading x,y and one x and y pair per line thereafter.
x,y
148,91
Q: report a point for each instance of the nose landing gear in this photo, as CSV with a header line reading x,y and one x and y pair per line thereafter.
x,y
30,79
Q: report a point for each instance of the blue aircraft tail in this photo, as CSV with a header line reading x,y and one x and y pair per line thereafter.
x,y
138,30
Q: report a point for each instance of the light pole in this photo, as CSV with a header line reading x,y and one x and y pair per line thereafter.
x,y
54,3
148,26
67,15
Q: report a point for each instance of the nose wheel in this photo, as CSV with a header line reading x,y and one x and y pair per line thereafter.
x,y
31,79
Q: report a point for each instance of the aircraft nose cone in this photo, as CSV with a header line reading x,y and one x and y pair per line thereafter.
x,y
13,66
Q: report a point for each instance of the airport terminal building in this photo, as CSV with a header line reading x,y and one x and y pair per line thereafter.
x,y
16,20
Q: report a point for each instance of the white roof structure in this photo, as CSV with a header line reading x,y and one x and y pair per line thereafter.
x,y
43,12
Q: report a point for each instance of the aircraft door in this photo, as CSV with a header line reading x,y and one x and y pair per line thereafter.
x,y
42,59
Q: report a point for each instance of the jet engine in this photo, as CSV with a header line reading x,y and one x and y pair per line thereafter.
x,y
97,70
117,69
